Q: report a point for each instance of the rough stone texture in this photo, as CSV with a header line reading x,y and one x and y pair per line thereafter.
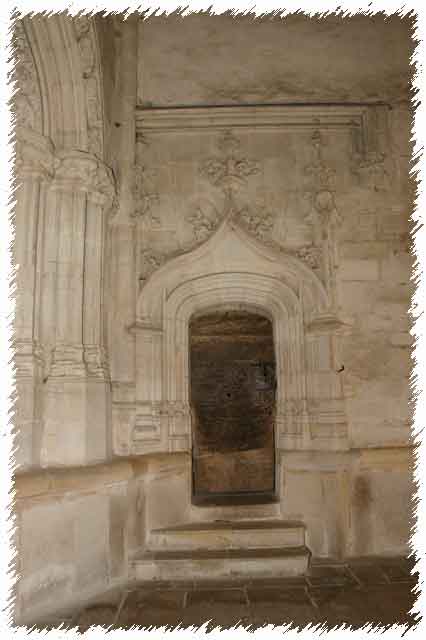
x,y
74,533
220,60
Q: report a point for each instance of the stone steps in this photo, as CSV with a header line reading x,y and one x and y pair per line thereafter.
x,y
223,535
220,564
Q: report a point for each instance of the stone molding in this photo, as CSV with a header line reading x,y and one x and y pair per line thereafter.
x,y
267,117
96,360
27,101
310,408
28,359
67,361
86,36
78,361
35,155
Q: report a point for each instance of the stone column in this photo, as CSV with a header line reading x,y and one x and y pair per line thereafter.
x,y
122,274
35,165
76,412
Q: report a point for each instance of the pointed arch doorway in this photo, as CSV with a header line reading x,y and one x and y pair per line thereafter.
x,y
233,398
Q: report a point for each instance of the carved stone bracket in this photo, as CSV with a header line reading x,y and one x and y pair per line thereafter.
x,y
81,171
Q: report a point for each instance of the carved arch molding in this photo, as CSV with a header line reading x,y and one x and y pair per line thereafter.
x,y
214,229
233,270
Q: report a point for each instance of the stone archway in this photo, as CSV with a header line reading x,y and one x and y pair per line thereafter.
x,y
232,269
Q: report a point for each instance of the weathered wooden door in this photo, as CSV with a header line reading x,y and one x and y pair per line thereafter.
x,y
232,394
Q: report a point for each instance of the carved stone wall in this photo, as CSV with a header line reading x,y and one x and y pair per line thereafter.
x,y
317,184
63,200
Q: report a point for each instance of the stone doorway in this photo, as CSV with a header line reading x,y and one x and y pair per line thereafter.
x,y
233,399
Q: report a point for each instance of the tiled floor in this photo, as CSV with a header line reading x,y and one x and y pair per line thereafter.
x,y
379,592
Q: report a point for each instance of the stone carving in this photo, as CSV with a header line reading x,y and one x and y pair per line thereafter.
x,y
370,170
258,222
203,226
231,170
95,358
311,256
34,155
83,171
67,361
145,195
27,101
86,38
324,215
150,262
28,359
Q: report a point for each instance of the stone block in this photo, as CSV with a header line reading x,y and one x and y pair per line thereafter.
x,y
381,512
357,269
47,554
91,526
118,520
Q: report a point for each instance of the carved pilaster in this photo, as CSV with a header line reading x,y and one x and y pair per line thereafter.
x,y
324,215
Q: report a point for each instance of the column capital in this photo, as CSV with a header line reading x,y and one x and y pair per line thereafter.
x,y
84,172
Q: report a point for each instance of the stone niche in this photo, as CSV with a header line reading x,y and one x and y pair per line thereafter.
x,y
232,397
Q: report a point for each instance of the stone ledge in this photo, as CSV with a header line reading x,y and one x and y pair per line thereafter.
x,y
53,481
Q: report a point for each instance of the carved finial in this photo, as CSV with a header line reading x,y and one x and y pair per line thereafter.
x,y
231,170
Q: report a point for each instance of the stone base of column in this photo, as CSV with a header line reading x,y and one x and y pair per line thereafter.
x,y
77,423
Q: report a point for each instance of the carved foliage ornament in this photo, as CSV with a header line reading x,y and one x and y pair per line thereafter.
x,y
85,33
83,171
27,101
324,216
145,195
231,170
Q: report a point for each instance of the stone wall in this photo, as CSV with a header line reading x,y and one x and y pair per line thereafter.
x,y
75,531
280,184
